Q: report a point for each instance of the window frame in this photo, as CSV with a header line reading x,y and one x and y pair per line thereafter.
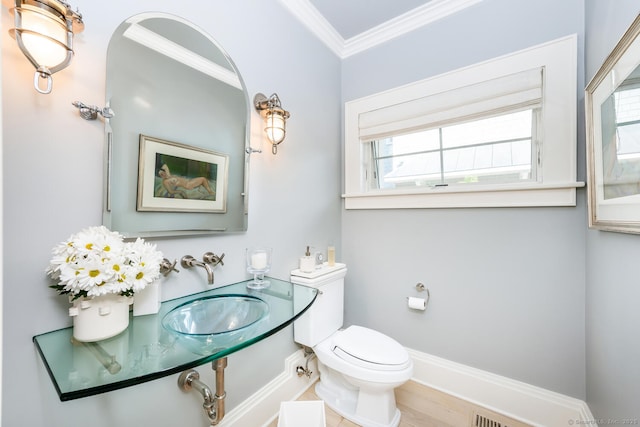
x,y
556,184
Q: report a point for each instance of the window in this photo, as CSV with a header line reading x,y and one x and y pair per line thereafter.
x,y
623,154
499,133
627,117
493,150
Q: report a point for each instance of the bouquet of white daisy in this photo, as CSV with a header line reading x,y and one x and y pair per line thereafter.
x,y
97,261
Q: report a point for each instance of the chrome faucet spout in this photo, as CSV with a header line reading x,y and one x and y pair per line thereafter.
x,y
209,272
188,261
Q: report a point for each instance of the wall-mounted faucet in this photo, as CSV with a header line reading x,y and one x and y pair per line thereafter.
x,y
209,262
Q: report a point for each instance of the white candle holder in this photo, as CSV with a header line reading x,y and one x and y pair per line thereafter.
x,y
258,263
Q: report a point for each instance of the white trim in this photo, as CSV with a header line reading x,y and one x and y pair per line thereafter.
x,y
172,50
412,20
515,399
264,404
430,12
316,23
524,195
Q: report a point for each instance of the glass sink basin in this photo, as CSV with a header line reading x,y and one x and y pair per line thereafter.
x,y
206,324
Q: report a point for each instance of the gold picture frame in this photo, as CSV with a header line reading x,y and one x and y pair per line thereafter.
x,y
612,108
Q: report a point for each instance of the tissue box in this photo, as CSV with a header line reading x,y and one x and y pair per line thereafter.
x,y
305,413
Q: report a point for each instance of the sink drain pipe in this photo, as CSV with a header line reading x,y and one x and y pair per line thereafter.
x,y
213,404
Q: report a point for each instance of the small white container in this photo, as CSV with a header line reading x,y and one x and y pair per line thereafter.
x,y
307,264
148,300
304,413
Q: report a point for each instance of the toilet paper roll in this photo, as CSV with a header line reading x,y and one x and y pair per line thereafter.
x,y
417,303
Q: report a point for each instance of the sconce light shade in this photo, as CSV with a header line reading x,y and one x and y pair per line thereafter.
x,y
44,32
275,126
275,118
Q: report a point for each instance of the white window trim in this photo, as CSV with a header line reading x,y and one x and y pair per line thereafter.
x,y
557,176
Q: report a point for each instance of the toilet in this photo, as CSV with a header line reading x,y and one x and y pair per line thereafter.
x,y
359,367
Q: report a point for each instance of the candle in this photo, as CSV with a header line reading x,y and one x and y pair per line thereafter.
x,y
258,260
331,256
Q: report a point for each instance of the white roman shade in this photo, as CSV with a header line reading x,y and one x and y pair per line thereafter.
x,y
488,98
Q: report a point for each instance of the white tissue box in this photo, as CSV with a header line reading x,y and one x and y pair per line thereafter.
x,y
304,413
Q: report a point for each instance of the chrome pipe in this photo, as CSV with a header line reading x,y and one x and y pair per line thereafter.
x,y
213,405
218,366
191,379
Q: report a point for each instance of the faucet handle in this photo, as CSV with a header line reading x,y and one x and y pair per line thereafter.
x,y
211,258
187,261
167,267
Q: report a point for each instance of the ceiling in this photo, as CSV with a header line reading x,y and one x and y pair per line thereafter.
x,y
351,26
353,17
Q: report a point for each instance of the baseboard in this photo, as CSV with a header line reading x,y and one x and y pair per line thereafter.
x,y
265,403
532,405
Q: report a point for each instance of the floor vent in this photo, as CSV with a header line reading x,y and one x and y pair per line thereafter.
x,y
482,421
486,418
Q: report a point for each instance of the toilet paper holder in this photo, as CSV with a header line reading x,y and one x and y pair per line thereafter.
x,y
420,287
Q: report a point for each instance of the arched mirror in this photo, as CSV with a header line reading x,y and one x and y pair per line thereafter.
x,y
177,161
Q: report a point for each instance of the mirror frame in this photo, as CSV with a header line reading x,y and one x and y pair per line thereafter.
x,y
619,214
183,227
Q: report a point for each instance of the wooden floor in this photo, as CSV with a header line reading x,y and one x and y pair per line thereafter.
x,y
407,399
422,406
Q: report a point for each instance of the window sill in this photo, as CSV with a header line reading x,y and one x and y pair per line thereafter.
x,y
522,195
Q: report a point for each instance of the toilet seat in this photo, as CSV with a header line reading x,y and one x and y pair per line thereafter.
x,y
361,368
369,349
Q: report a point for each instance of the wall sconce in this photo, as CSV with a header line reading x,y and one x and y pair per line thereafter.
x,y
44,32
275,118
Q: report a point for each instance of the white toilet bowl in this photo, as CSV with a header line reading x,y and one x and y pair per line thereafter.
x,y
359,369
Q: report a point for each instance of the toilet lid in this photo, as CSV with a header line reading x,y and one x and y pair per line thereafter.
x,y
368,348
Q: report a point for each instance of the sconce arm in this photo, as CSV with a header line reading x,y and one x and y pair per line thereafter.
x,y
90,112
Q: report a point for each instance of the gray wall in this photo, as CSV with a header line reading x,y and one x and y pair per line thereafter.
x,y
613,291
507,285
53,176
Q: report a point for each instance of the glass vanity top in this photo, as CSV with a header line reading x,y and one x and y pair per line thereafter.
x,y
146,350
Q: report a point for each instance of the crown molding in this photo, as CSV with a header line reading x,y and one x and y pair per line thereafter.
x,y
154,41
316,22
405,23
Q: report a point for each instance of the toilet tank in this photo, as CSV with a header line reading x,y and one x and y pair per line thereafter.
x,y
326,314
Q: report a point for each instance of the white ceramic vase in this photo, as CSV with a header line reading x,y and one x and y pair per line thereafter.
x,y
99,318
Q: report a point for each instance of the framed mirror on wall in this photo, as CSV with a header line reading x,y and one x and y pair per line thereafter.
x,y
176,148
612,106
